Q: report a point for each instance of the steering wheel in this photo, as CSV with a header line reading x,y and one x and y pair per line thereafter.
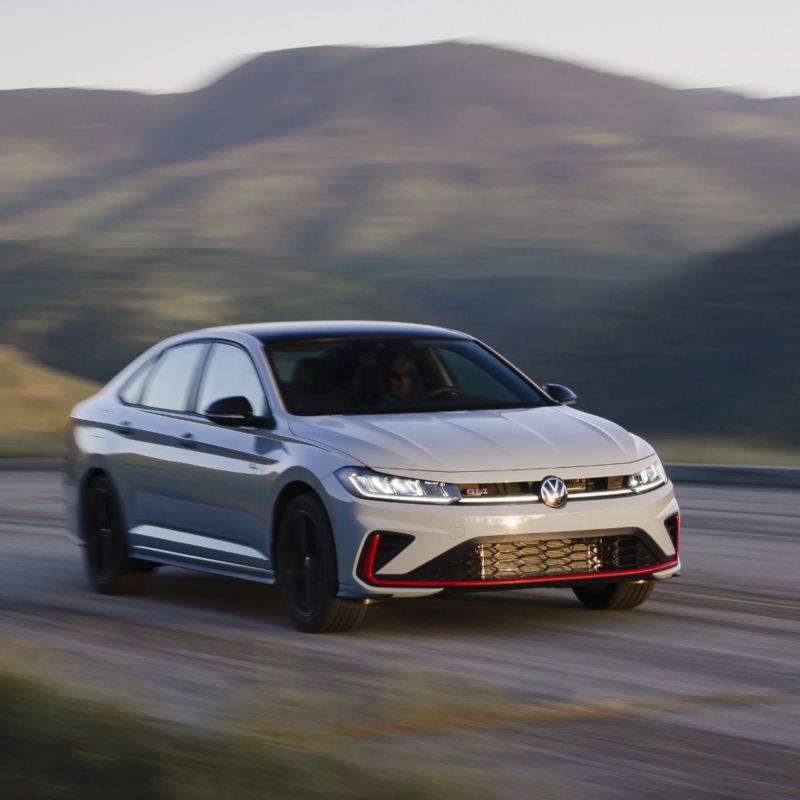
x,y
445,391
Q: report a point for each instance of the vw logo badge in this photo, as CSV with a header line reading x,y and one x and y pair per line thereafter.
x,y
553,492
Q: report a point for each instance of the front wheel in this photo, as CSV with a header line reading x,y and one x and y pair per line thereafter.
x,y
615,596
109,567
306,567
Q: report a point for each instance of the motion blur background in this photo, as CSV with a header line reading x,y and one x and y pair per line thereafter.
x,y
607,192
568,181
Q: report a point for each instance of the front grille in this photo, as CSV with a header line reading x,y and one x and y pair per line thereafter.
x,y
612,483
540,558
528,491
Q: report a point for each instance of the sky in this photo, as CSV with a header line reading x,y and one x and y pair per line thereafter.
x,y
178,45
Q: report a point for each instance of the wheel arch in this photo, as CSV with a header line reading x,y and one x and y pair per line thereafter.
x,y
289,492
85,481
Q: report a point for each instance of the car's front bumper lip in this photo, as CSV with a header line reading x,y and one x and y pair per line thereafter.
x,y
665,571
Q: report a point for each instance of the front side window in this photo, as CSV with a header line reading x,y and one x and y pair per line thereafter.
x,y
230,373
170,381
395,375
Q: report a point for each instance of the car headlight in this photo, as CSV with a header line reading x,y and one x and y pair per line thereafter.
x,y
364,482
650,477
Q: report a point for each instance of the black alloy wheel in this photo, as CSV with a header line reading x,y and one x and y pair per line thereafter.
x,y
306,567
108,565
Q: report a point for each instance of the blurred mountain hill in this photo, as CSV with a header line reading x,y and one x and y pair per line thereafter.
x,y
343,151
712,349
602,230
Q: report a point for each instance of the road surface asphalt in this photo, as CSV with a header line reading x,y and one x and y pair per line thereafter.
x,y
695,694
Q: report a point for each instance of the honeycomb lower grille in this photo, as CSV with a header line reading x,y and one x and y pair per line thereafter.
x,y
541,558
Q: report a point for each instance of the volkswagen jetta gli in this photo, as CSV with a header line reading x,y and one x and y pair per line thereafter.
x,y
355,461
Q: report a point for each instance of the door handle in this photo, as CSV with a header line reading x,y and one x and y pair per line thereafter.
x,y
125,428
188,440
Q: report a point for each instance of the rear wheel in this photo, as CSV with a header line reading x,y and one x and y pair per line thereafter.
x,y
109,567
615,596
306,566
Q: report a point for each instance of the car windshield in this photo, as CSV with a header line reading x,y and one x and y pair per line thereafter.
x,y
395,375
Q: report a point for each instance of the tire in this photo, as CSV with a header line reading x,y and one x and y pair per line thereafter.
x,y
615,596
108,566
307,571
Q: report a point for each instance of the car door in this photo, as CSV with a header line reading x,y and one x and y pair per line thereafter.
x,y
156,459
232,467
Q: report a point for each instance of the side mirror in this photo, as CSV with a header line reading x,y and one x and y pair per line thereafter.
x,y
561,394
232,411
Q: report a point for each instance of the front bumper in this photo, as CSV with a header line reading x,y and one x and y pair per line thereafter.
x,y
435,531
486,563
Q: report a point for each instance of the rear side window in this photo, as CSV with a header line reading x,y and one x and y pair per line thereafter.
x,y
131,391
231,373
171,379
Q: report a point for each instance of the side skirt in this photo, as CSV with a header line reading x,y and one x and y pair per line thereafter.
x,y
202,564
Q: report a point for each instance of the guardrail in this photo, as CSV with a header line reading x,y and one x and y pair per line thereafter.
x,y
783,477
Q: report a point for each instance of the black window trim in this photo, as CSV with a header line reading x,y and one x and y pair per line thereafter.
x,y
200,372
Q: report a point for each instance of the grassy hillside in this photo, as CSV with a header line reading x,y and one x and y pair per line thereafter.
x,y
34,405
340,152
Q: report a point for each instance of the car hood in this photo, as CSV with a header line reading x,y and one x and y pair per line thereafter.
x,y
549,437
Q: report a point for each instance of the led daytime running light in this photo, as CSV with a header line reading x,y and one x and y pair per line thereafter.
x,y
648,478
377,486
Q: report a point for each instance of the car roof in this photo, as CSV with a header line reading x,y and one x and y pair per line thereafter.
x,y
275,332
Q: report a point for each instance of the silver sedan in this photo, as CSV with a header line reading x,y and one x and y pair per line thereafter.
x,y
354,461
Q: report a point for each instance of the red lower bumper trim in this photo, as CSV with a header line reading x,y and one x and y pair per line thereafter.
x,y
370,577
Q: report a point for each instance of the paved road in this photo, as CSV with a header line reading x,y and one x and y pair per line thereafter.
x,y
697,694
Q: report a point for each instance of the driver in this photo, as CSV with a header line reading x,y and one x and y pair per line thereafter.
x,y
401,384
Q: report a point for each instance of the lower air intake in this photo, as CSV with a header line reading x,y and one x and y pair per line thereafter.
x,y
540,558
